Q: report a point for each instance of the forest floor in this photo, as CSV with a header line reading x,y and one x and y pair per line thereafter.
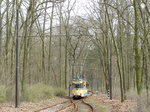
x,y
101,103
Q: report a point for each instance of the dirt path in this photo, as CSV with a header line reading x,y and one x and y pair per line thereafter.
x,y
30,107
101,102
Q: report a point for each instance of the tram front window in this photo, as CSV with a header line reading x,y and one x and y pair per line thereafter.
x,y
78,86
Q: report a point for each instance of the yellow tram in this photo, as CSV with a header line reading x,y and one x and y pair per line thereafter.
x,y
79,88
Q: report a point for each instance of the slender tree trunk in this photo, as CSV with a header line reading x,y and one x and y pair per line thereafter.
x,y
24,61
12,45
137,49
7,41
110,68
50,40
7,30
43,44
67,32
66,59
26,34
120,32
116,49
60,32
29,40
0,40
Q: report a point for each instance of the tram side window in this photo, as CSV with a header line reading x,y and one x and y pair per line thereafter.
x,y
78,86
87,85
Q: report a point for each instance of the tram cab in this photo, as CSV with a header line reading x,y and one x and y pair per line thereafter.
x,y
79,88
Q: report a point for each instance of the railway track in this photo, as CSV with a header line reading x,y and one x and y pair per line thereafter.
x,y
70,106
90,106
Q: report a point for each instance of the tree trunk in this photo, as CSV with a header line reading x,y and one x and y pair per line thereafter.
x,y
50,41
116,50
137,49
60,32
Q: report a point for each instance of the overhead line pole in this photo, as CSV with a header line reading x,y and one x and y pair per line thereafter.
x,y
110,71
17,56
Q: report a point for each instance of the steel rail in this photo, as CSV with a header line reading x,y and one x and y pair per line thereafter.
x,y
92,108
73,103
52,106
75,108
64,108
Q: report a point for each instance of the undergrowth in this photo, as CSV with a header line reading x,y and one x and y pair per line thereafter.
x,y
2,94
59,92
32,93
100,106
38,92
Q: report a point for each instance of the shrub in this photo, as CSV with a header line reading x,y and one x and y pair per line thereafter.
x,y
100,106
2,93
39,91
32,93
59,92
10,93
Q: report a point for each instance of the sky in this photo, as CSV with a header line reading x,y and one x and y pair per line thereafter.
x,y
81,5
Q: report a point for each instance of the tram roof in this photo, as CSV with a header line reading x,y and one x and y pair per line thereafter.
x,y
79,80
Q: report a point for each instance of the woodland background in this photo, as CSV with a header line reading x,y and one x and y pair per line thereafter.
x,y
109,45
